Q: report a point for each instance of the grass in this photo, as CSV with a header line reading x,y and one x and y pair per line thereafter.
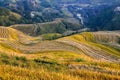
x,y
13,34
7,49
36,74
53,66
51,36
80,60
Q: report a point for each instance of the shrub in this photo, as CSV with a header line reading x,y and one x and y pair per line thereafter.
x,y
4,56
5,61
51,36
21,58
45,62
79,60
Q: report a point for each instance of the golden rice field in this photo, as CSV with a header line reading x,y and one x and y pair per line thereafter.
x,y
84,56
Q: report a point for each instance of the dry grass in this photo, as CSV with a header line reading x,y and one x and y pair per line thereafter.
x,y
55,66
76,57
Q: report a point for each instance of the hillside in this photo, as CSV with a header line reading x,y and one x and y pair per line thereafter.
x,y
88,55
107,19
94,14
32,11
60,26
8,17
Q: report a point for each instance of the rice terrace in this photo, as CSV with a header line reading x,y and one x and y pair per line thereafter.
x,y
89,54
59,40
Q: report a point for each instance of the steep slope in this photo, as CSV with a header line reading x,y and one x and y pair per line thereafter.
x,y
57,26
7,17
98,45
32,11
93,55
107,19
89,55
92,44
8,36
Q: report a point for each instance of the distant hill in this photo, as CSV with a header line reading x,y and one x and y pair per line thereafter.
x,y
8,17
107,19
33,11
93,14
61,26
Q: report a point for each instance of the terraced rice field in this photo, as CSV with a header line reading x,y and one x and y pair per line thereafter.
x,y
111,37
89,55
4,33
87,43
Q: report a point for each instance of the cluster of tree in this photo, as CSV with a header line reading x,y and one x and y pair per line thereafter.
x,y
108,19
25,7
57,26
72,26
45,17
8,18
51,36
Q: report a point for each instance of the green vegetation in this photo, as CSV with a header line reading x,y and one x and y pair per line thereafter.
x,y
72,26
80,60
50,36
8,18
108,19
58,26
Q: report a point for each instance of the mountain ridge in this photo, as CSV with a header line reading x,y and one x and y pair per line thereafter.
x,y
40,11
